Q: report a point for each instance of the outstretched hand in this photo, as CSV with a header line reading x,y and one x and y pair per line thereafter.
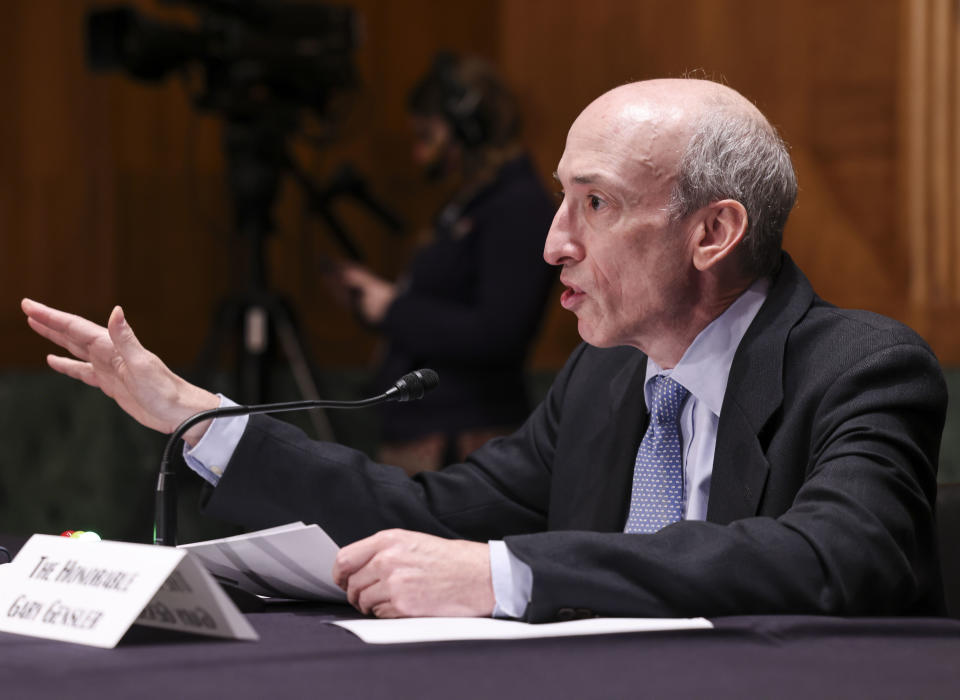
x,y
114,361
399,573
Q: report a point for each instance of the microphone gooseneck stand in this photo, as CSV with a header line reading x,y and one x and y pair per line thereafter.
x,y
409,387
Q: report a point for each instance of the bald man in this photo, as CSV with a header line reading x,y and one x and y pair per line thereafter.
x,y
724,442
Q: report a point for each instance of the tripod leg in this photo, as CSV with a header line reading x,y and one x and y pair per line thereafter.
x,y
254,361
227,322
302,375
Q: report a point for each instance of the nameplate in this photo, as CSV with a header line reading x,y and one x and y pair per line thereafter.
x,y
92,592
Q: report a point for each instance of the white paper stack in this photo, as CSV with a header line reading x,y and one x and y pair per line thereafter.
x,y
292,561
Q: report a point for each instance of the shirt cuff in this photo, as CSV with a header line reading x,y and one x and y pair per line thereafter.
x,y
512,581
210,456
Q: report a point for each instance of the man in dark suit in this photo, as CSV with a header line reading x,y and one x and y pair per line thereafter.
x,y
724,443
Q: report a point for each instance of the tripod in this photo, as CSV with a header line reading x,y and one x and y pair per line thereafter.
x,y
258,317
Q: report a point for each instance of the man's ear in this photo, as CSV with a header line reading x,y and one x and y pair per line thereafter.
x,y
721,228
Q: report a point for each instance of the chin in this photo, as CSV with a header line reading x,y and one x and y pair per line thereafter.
x,y
594,337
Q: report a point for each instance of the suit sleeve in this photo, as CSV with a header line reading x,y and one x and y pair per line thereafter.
x,y
278,475
858,537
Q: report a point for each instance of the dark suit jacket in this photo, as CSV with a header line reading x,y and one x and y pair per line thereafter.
x,y
821,496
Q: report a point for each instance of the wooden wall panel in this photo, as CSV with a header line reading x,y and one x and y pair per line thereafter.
x,y
112,190
56,221
824,72
930,177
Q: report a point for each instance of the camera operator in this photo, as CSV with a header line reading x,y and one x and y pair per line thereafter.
x,y
470,302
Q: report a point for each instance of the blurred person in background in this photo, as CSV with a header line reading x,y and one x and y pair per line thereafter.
x,y
470,302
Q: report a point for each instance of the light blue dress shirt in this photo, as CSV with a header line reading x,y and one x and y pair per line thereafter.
x,y
703,370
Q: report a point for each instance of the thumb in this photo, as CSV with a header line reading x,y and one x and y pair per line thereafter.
x,y
122,334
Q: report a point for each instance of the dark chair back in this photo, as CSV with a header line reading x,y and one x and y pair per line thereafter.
x,y
948,522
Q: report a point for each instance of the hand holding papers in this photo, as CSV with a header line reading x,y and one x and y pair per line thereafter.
x,y
402,573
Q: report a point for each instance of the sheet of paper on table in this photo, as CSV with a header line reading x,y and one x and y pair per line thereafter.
x,y
445,629
292,561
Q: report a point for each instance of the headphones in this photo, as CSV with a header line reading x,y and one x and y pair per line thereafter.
x,y
462,106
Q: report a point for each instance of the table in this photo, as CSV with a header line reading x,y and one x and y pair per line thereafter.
x,y
300,656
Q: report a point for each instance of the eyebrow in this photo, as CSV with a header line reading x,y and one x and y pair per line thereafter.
x,y
588,179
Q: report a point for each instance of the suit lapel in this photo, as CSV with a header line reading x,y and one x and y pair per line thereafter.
x,y
754,393
606,453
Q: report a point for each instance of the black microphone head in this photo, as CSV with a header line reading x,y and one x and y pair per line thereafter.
x,y
414,385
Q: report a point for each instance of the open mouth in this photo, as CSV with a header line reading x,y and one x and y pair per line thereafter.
x,y
571,295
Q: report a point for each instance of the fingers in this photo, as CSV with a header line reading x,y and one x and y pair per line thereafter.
x,y
70,325
362,590
57,338
123,336
70,332
96,357
363,568
113,360
74,369
355,276
355,583
354,557
377,589
82,351
377,600
373,597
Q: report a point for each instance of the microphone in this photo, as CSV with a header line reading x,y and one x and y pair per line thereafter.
x,y
409,387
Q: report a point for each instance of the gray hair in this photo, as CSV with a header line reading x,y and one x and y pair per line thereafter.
x,y
736,155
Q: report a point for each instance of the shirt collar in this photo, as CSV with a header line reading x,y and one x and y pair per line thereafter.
x,y
705,365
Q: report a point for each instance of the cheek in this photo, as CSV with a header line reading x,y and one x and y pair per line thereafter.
x,y
629,276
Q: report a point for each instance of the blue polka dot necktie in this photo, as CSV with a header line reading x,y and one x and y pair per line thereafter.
x,y
657,497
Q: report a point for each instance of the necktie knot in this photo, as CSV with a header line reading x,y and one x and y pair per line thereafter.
x,y
668,399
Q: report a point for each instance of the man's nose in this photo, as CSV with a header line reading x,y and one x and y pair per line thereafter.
x,y
561,247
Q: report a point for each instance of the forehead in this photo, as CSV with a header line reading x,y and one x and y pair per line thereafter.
x,y
623,143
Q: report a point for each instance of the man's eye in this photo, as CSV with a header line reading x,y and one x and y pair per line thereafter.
x,y
559,195
594,201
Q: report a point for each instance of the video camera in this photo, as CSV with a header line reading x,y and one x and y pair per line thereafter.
x,y
251,51
262,62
